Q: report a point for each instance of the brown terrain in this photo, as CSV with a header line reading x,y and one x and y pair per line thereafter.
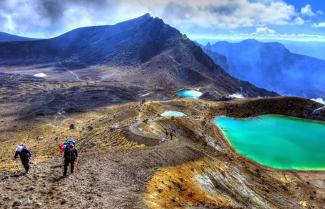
x,y
129,160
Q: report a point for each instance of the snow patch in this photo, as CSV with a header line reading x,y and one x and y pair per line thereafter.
x,y
319,100
144,95
61,112
40,75
237,96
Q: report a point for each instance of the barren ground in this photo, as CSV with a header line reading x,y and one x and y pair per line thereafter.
x,y
127,161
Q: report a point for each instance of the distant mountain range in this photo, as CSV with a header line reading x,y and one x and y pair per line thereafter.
x,y
271,66
6,37
308,48
143,51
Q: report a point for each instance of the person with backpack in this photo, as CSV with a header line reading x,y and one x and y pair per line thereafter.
x,y
70,157
25,156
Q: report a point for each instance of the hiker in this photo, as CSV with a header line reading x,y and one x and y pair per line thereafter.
x,y
24,155
70,156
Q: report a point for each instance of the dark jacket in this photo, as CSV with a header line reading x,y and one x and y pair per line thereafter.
x,y
70,154
24,155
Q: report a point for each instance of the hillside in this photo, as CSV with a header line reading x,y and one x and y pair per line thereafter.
x,y
143,51
127,161
271,66
6,37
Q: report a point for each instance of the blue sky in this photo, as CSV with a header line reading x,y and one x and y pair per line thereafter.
x,y
296,20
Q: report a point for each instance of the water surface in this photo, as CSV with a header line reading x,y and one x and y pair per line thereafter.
x,y
173,114
189,93
277,141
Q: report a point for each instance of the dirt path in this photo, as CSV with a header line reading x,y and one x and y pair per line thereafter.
x,y
106,180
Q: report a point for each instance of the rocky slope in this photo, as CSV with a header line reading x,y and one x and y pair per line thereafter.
x,y
142,51
271,66
128,161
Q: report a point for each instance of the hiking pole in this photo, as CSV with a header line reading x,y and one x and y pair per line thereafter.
x,y
77,164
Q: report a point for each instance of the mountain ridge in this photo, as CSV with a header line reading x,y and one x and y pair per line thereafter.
x,y
142,50
271,66
6,37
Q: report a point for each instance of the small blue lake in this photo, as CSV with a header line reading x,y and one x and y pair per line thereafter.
x,y
173,114
189,93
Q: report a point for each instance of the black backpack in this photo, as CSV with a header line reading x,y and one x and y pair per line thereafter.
x,y
25,154
70,154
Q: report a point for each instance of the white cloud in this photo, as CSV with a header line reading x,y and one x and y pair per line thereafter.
x,y
9,24
319,25
52,17
307,11
40,75
299,21
265,30
228,13
320,12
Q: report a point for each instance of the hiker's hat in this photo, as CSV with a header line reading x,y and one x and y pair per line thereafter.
x,y
23,145
19,148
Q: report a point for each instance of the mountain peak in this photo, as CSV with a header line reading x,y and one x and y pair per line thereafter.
x,y
146,16
159,54
138,20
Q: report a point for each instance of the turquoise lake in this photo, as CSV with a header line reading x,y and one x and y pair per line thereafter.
x,y
189,93
276,141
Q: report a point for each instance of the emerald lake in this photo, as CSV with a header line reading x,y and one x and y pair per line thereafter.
x,y
277,141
